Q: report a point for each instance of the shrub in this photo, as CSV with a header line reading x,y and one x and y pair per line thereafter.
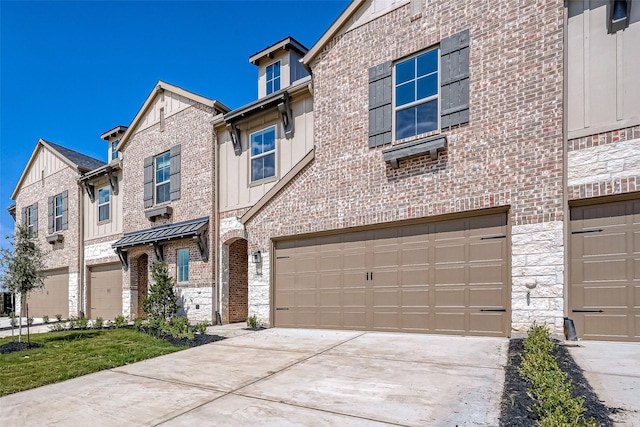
x,y
29,321
120,321
13,321
138,322
162,300
551,388
83,323
59,317
202,327
179,328
252,321
98,323
56,327
72,323
45,319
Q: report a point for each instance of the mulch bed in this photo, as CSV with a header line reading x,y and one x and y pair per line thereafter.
x,y
10,347
183,342
517,405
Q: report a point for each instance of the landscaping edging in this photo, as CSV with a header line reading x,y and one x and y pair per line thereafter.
x,y
516,407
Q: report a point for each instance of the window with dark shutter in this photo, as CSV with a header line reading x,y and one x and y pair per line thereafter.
x,y
34,218
380,105
51,215
65,210
148,182
174,179
454,79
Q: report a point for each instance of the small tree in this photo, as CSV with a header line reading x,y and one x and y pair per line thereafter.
x,y
22,266
162,301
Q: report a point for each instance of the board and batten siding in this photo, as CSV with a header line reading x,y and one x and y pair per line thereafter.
x,y
45,161
92,227
236,190
603,84
172,103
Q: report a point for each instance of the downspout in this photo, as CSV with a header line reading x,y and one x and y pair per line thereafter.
x,y
82,312
565,156
216,234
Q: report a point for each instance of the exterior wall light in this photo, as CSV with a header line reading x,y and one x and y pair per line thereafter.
x,y
256,258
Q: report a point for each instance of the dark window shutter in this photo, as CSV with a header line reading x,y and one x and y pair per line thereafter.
x,y
380,104
24,216
34,207
148,182
65,209
454,79
51,217
174,178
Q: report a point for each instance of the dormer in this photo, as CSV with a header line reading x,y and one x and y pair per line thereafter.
x,y
113,138
279,66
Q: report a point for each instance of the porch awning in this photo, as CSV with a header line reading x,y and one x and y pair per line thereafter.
x,y
163,233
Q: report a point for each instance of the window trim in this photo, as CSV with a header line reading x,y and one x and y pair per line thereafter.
x,y
107,203
415,103
115,154
57,203
31,224
279,78
157,184
181,270
275,159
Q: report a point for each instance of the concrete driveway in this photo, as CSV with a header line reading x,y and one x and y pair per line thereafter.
x,y
283,377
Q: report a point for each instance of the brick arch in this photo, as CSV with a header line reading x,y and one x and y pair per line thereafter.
x,y
232,235
238,280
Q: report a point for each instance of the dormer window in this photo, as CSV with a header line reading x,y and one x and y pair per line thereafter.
x,y
273,78
114,151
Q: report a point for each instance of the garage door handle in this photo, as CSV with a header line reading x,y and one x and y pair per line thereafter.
x,y
493,237
493,309
282,308
587,311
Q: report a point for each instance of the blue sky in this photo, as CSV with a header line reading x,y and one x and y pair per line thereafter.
x,y
70,71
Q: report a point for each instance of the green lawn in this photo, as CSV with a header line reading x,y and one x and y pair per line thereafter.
x,y
71,354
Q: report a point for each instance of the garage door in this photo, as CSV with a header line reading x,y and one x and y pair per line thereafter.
x,y
105,294
53,298
605,271
448,277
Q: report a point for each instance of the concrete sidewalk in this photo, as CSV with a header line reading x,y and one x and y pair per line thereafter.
x,y
613,370
283,377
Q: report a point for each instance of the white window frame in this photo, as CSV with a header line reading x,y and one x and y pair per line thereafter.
x,y
264,154
57,203
395,109
114,153
30,220
267,80
182,270
157,184
107,203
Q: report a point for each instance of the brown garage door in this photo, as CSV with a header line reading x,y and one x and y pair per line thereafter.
x,y
105,294
449,277
53,298
605,271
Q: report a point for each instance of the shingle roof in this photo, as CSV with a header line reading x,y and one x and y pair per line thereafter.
x,y
82,160
163,233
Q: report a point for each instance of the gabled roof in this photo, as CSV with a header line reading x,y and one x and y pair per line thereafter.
x,y
286,44
157,90
332,31
75,160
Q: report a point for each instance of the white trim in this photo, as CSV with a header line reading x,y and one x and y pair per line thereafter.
x,y
157,184
179,267
107,203
264,154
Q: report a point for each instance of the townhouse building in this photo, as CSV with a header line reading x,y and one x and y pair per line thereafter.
x,y
426,167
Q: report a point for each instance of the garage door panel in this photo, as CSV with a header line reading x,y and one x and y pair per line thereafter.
x,y
451,297
450,276
415,296
414,278
604,270
486,323
306,282
486,297
53,298
306,299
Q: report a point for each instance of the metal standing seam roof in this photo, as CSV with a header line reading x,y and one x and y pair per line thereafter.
x,y
162,233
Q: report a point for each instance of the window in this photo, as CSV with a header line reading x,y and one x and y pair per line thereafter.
x,y
58,212
416,94
104,204
163,173
618,12
31,220
114,152
273,78
263,154
183,265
